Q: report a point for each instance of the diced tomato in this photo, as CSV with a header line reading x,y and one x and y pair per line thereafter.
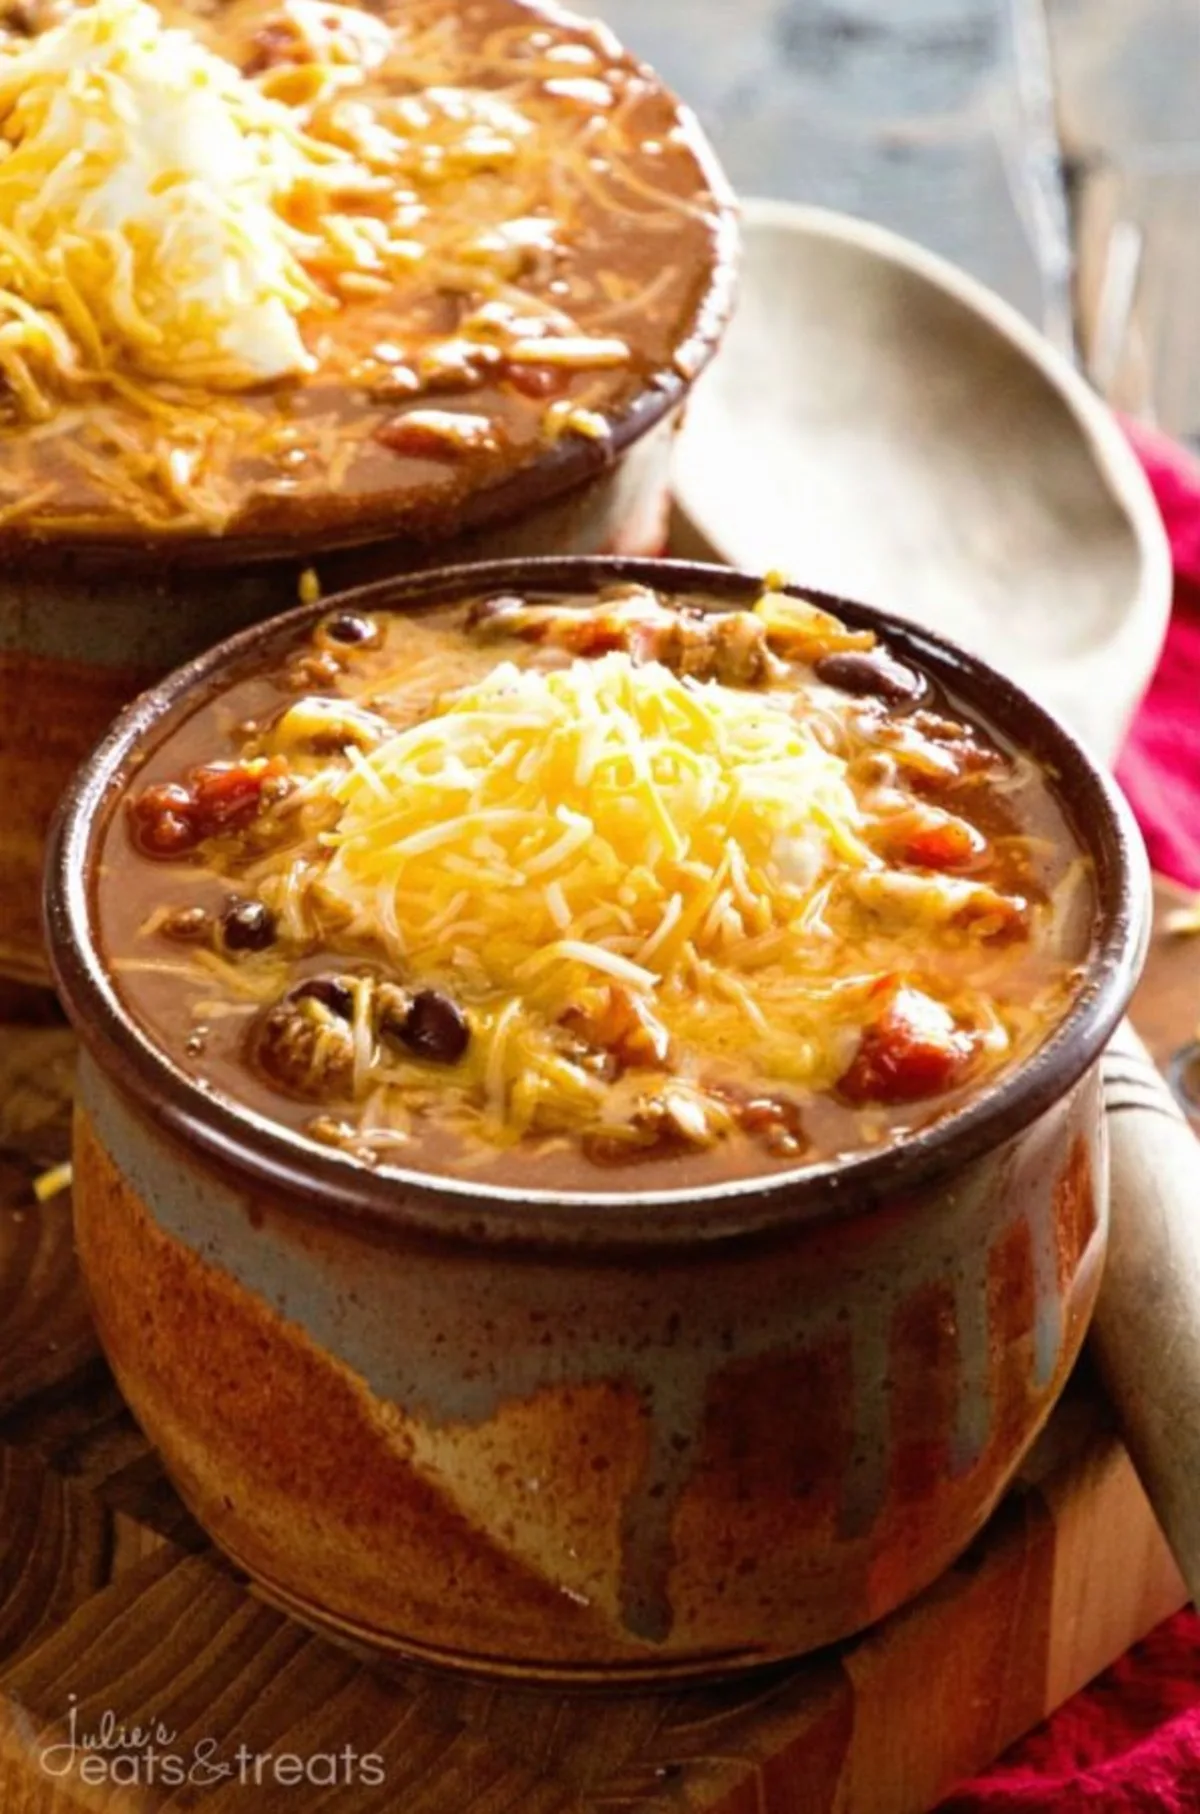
x,y
162,821
170,818
228,794
913,1049
928,838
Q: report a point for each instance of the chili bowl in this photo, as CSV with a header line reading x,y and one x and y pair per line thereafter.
x,y
105,583
591,1435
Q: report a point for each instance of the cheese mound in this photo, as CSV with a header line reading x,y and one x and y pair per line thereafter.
x,y
605,820
141,177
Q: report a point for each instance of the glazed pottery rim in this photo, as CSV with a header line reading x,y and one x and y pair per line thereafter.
x,y
264,1153
567,464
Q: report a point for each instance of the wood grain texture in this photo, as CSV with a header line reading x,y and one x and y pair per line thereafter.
x,y
110,1595
1149,1309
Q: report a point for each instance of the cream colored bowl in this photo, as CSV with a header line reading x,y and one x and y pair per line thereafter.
x,y
880,425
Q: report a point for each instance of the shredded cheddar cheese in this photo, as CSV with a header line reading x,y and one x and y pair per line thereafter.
x,y
606,790
140,223
544,835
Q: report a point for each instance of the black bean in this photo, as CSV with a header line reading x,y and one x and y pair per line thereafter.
x,y
247,926
875,672
330,991
435,1028
349,627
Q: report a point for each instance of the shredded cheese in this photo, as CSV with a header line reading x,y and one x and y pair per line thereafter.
x,y
653,820
659,900
141,186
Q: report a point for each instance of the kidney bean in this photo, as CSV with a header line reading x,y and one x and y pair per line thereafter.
x,y
624,1027
870,671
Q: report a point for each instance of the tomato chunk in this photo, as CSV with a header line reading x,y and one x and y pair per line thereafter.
x,y
929,838
161,819
913,1049
170,819
228,794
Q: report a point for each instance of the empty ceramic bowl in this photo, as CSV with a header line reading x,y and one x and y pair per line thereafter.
x,y
884,426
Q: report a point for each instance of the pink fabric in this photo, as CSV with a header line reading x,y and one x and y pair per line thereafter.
x,y
1131,1740
1160,766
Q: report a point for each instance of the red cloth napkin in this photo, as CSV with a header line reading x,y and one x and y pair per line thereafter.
x,y
1128,1743
1160,766
1131,1740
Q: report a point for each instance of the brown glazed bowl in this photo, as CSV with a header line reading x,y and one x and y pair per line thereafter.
x,y
595,1436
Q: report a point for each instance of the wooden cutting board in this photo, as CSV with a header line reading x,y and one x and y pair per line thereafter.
x,y
116,1612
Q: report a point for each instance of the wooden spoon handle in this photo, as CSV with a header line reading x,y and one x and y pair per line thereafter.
x,y
1146,1333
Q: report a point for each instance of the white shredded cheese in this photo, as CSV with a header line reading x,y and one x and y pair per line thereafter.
x,y
646,818
140,186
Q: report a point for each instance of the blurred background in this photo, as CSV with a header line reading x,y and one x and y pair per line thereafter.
x,y
1052,147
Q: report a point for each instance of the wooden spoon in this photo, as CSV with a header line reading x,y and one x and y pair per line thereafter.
x,y
1146,1333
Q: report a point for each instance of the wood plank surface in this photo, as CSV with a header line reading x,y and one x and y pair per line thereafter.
x,y
113,1604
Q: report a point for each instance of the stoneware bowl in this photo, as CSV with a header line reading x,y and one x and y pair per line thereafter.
x,y
884,425
590,1436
